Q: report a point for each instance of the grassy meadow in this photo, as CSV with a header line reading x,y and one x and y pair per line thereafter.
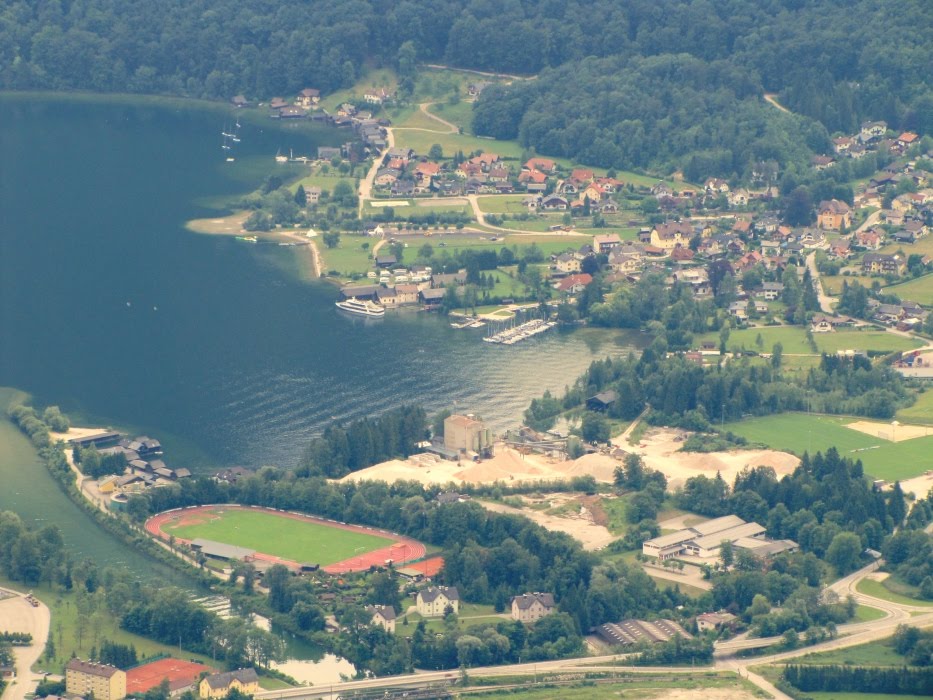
x,y
799,433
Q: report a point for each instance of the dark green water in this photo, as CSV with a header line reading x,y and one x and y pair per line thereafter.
x,y
113,310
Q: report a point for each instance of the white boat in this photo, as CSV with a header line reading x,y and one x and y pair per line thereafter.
x,y
361,307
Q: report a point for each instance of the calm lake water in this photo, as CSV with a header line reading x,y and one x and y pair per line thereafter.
x,y
113,310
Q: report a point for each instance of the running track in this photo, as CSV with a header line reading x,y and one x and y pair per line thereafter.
x,y
403,550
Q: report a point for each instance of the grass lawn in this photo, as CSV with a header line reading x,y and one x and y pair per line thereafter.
x,y
879,653
506,286
296,540
920,412
421,142
832,284
416,119
616,510
422,208
919,290
866,613
269,683
537,224
348,257
502,203
325,182
687,590
877,589
792,338
799,433
863,340
460,114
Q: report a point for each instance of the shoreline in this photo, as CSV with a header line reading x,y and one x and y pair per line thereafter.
x,y
232,225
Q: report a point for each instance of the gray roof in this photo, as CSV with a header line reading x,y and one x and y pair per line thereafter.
x,y
429,595
91,669
387,611
223,680
221,550
526,600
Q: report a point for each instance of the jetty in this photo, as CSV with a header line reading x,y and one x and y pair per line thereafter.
x,y
510,336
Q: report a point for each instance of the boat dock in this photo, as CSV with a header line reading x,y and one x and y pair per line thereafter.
x,y
510,336
468,323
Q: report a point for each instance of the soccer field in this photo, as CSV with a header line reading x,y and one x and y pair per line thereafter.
x,y
282,536
799,433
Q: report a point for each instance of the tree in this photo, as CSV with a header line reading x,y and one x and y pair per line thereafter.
x,y
798,207
777,354
726,554
301,198
276,579
331,239
594,428
436,152
844,552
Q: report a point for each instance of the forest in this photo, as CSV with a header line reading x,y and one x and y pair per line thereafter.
x,y
651,83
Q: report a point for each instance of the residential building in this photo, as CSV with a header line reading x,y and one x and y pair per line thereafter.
x,y
466,434
715,620
880,264
84,678
433,601
833,215
605,243
669,235
218,685
531,607
574,284
383,616
872,130
567,263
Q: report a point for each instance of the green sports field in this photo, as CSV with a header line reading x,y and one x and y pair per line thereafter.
x,y
296,540
799,433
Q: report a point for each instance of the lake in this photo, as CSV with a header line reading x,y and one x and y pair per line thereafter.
x,y
113,310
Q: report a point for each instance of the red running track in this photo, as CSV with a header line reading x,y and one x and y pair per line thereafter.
x,y
403,550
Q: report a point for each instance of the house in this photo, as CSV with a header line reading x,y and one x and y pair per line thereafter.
x,y
466,434
555,203
682,254
574,284
605,243
822,162
84,678
232,474
594,193
833,215
406,294
821,323
485,160
291,112
432,298
535,177
739,310
545,165
531,607
872,130
669,235
715,620
239,101
434,601
328,153
308,97
218,685
277,103
383,616
907,139
738,198
312,194
476,89
870,239
425,171
879,264
715,186
770,290
602,401
840,249
842,144
567,263
385,177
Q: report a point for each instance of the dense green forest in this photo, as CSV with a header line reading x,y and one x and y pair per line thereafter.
x,y
645,83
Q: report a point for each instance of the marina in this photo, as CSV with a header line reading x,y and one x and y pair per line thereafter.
x,y
510,336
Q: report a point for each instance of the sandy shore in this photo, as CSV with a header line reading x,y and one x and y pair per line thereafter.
x,y
232,225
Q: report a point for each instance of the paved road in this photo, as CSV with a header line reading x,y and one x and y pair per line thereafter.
x,y
826,301
17,615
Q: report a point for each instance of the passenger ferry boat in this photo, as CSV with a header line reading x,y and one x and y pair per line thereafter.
x,y
361,307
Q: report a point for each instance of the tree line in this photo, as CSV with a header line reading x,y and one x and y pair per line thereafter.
x,y
861,679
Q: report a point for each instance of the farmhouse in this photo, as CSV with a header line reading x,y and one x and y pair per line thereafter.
x,y
218,685
531,607
103,681
433,601
383,616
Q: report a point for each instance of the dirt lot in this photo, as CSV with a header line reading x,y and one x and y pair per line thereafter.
x,y
17,615
889,431
579,524
660,450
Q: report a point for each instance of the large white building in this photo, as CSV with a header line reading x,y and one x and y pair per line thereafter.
x,y
703,540
433,601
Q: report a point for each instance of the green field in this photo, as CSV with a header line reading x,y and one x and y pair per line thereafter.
x,y
879,653
919,290
920,412
348,257
799,433
794,340
862,696
877,589
295,540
